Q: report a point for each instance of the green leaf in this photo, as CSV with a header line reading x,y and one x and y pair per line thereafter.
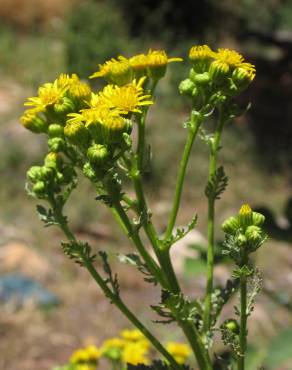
x,y
279,351
194,266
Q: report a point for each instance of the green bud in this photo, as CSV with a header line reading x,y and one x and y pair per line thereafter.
x,y
56,144
47,173
241,239
60,178
232,325
195,92
55,130
34,123
65,106
88,171
34,173
258,219
186,87
231,225
253,233
202,79
97,154
113,353
53,160
39,188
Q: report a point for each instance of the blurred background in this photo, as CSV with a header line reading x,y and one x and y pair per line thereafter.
x,y
49,306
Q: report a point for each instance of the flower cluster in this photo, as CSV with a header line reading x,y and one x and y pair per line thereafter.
x,y
122,70
220,74
130,347
244,233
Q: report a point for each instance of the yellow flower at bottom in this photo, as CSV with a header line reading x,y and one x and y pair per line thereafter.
x,y
117,71
179,351
132,335
135,353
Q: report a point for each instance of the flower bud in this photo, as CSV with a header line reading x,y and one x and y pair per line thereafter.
x,y
258,219
232,325
253,233
55,130
31,121
97,154
245,216
39,188
56,144
201,56
231,225
241,239
47,173
88,171
186,87
53,160
65,106
77,133
202,79
34,173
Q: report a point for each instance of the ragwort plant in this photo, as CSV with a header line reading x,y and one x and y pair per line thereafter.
x,y
89,133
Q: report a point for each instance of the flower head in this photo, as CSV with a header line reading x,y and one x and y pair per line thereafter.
x,y
179,351
48,95
126,99
32,121
135,353
200,52
159,58
117,71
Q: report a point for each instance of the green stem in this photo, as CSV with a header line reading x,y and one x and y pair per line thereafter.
x,y
151,264
211,216
243,318
195,123
116,300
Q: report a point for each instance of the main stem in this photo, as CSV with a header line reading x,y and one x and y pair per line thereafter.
x,y
195,122
211,216
116,300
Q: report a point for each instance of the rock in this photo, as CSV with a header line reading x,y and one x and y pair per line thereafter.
x,y
17,256
20,290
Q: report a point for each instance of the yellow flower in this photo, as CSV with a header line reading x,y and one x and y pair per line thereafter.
x,y
234,60
159,58
200,52
80,355
179,351
85,367
113,343
139,62
135,353
117,71
87,354
245,209
128,98
48,95
132,335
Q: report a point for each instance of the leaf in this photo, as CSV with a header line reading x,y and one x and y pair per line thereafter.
x,y
78,251
134,260
279,350
194,266
217,184
112,279
47,216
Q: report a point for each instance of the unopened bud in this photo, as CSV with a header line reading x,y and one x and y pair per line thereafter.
x,y
231,225
53,160
56,144
232,325
55,130
253,233
258,219
186,87
242,77
241,239
34,173
39,188
97,154
202,79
